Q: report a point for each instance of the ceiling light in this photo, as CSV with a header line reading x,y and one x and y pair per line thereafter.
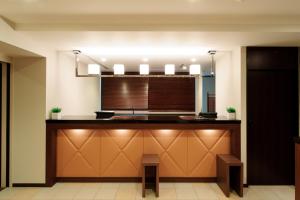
x,y
119,69
93,69
183,67
169,69
144,69
195,69
103,59
145,59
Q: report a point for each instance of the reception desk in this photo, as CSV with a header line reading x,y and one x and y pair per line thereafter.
x,y
87,149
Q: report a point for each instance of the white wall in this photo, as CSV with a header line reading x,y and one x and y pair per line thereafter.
x,y
28,125
76,95
231,91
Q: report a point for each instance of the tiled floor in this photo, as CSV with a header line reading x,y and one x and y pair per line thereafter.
x,y
132,191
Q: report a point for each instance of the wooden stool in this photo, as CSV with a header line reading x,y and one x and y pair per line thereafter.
x,y
150,172
230,174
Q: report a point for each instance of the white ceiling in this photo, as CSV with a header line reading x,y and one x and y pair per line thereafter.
x,y
64,25
14,8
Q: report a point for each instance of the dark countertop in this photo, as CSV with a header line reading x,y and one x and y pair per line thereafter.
x,y
143,119
297,140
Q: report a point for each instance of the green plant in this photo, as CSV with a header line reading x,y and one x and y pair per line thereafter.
x,y
230,110
56,110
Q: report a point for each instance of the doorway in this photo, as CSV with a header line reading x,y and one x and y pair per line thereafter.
x,y
272,114
5,123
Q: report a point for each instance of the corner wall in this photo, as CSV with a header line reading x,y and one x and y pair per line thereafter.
x,y
76,95
28,120
231,91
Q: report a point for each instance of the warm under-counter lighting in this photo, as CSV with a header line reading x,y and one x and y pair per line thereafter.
x,y
169,69
144,69
119,69
93,69
195,69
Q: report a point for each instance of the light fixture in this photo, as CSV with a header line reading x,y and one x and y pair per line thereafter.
x,y
193,60
119,69
169,69
144,69
93,69
183,67
195,69
212,69
103,59
145,59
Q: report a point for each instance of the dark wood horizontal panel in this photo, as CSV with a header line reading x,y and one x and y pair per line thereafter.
x,y
171,94
272,58
124,93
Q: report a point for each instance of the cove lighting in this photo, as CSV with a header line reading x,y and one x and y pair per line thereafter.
x,y
169,69
146,51
93,69
144,69
195,69
119,69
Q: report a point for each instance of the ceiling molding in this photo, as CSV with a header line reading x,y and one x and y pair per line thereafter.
x,y
8,22
158,23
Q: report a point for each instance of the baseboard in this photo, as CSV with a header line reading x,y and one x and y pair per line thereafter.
x,y
134,179
29,185
246,185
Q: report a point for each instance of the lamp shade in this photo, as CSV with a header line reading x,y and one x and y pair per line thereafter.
x,y
144,69
119,69
93,69
169,69
195,69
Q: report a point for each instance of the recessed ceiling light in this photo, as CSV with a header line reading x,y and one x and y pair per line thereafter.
x,y
145,59
183,67
103,59
193,59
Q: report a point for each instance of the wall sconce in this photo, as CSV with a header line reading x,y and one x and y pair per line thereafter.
x,y
144,69
119,69
169,69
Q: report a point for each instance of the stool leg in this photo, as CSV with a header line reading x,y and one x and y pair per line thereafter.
x,y
157,181
143,182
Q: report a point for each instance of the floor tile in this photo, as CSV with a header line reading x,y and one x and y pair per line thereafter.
x,y
106,193
186,193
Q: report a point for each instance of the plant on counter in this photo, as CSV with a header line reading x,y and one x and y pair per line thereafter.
x,y
56,113
230,109
231,113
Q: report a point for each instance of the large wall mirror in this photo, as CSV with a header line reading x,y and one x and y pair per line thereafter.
x,y
161,93
190,94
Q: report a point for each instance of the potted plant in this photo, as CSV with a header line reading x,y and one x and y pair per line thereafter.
x,y
56,113
231,113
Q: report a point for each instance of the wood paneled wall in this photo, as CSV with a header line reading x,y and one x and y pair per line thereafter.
x,y
121,93
124,93
172,94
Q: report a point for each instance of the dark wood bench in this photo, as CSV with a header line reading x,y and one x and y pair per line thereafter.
x,y
230,174
150,176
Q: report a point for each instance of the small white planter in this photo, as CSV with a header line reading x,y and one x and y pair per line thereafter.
x,y
231,116
55,115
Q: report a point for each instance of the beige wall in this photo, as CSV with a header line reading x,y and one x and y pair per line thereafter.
x,y
76,95
28,120
231,90
4,57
